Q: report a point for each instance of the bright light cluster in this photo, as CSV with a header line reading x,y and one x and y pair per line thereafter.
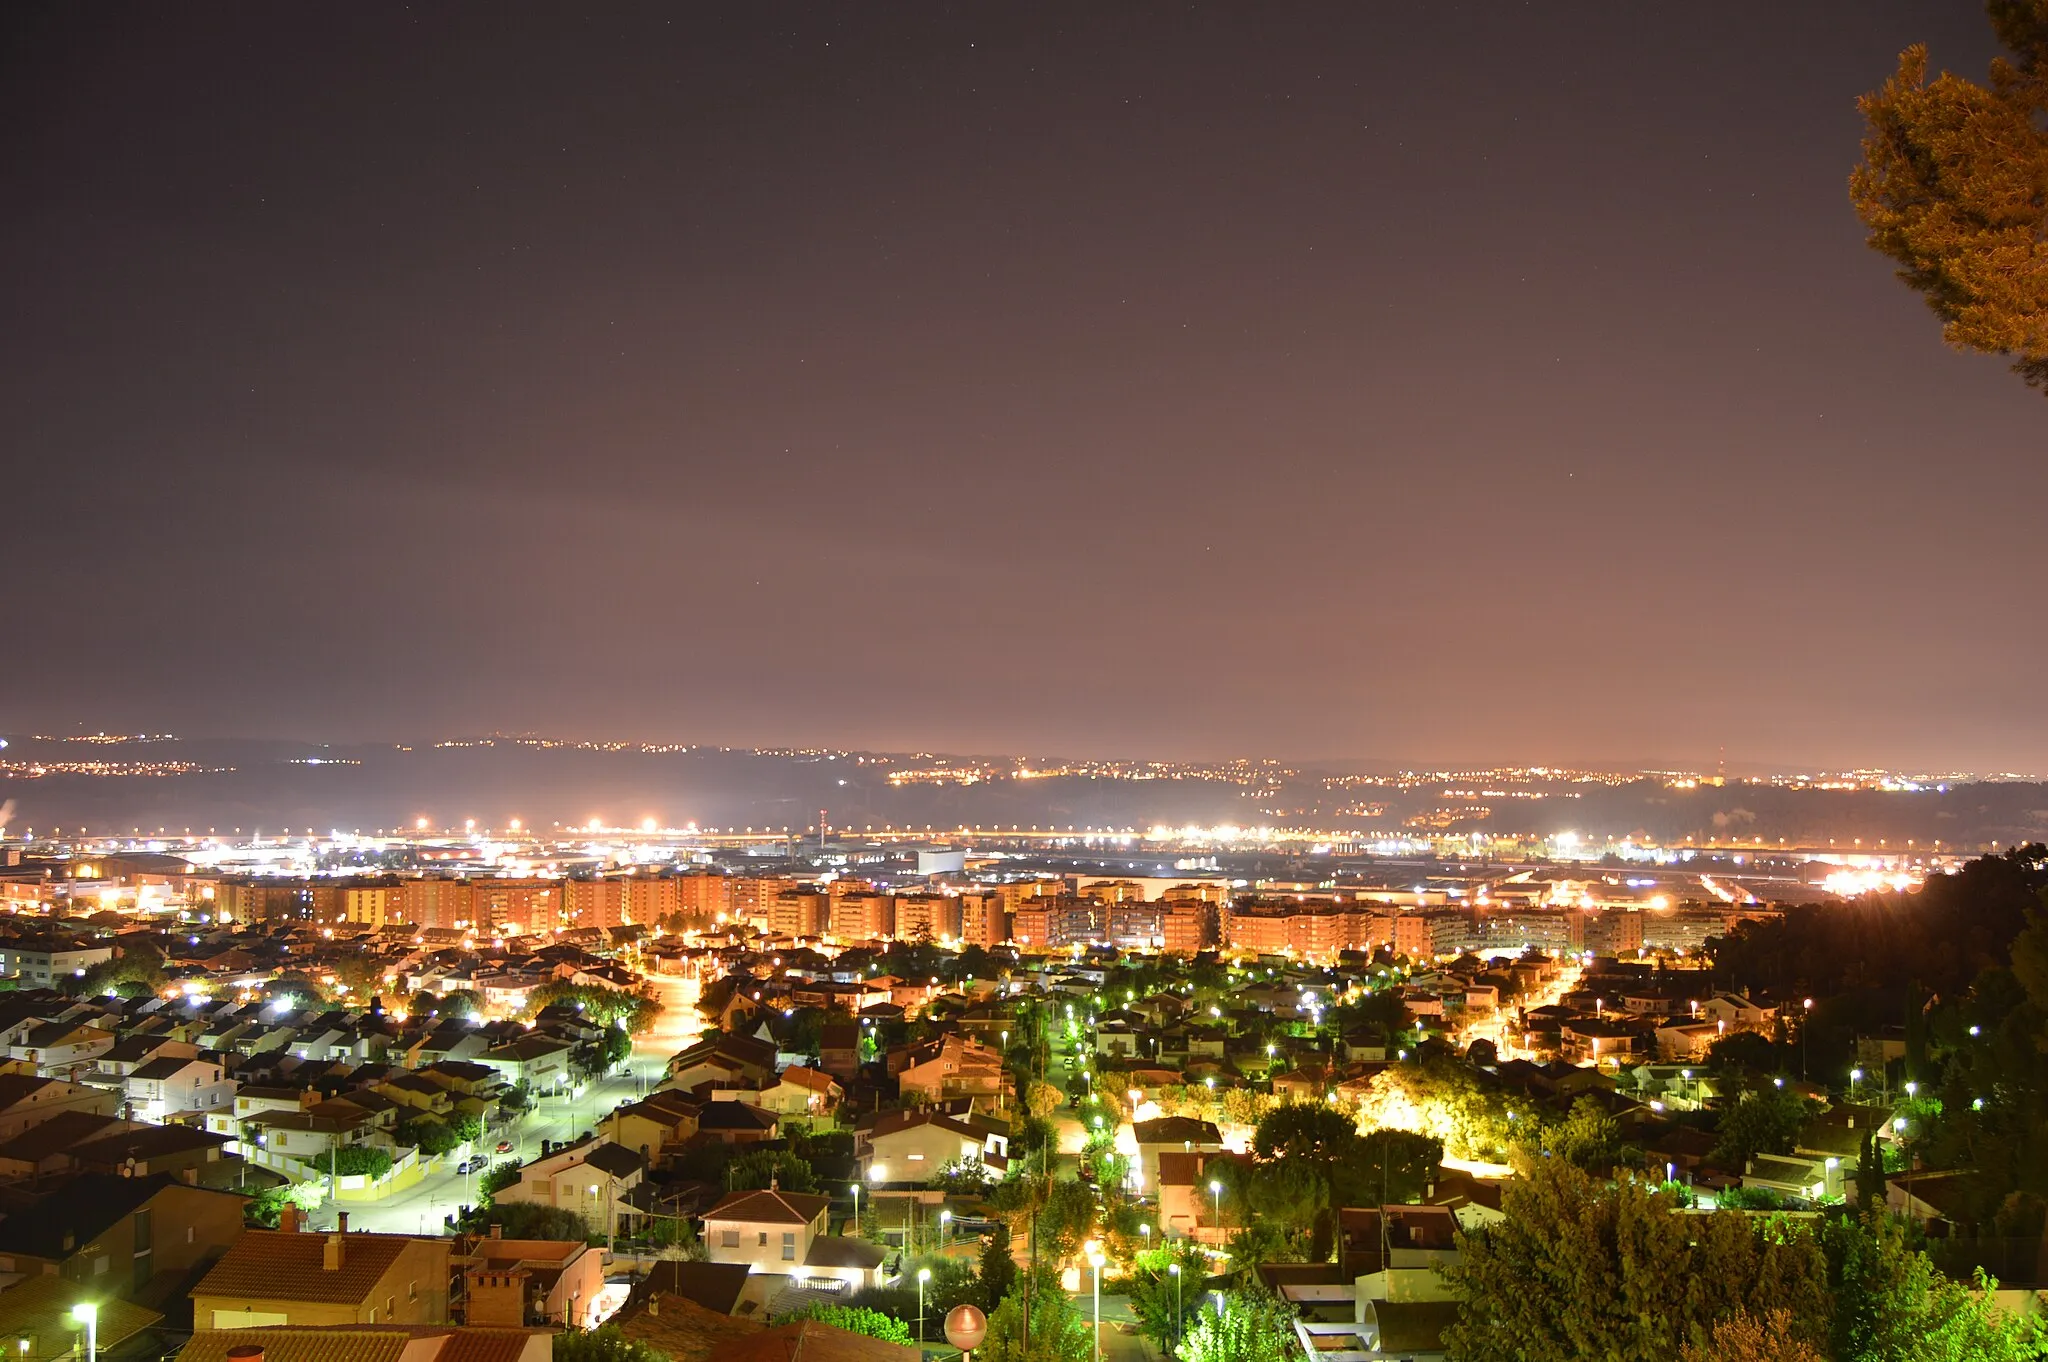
x,y
1850,883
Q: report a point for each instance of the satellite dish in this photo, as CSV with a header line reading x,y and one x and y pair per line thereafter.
x,y
966,1327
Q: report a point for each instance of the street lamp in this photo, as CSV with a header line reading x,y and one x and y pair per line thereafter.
x,y
1216,1191
924,1274
856,1210
88,1314
945,1223
1095,1261
1178,1317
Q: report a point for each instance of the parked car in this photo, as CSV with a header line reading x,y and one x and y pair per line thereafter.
x,y
504,1146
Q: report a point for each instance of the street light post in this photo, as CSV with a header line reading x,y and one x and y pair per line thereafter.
x,y
88,1314
856,1210
1216,1191
924,1274
1178,1317
945,1229
1095,1262
1805,1025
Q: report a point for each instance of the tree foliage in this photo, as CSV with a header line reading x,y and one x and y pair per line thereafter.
x,y
1441,1097
1056,1331
1762,1120
855,1319
1588,1137
1251,1325
135,970
1747,1338
1166,1303
359,1160
530,1220
791,1172
605,1344
1580,1268
634,1012
1953,186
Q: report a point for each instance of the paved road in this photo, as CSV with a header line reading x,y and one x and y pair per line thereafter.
x,y
420,1209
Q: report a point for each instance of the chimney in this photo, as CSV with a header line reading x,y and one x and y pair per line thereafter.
x,y
246,1352
497,1230
342,1218
495,1297
330,1254
288,1218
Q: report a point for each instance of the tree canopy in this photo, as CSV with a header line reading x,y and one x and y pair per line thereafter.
x,y
1580,1267
1953,186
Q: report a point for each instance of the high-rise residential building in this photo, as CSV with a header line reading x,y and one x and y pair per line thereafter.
x,y
703,895
798,912
753,895
375,905
984,920
594,903
861,916
440,903
934,917
512,905
1017,893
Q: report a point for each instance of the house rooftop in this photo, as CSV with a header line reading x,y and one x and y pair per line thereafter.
x,y
362,1343
765,1207
285,1265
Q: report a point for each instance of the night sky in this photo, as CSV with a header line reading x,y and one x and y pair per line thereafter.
x,y
1433,382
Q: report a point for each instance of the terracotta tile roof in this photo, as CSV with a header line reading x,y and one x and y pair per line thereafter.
x,y
361,1343
282,1265
143,1143
809,1078
614,1159
715,1286
740,1116
681,1328
815,1342
835,1250
300,1345
763,1207
81,1208
58,1134
482,1345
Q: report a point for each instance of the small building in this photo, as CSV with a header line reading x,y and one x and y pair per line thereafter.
x,y
782,1234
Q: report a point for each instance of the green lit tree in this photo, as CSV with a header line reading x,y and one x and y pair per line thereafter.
x,y
854,1319
602,1345
1036,1323
1249,1325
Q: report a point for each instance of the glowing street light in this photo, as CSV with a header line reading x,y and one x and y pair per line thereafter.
x,y
1095,1261
88,1314
1178,1317
924,1274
